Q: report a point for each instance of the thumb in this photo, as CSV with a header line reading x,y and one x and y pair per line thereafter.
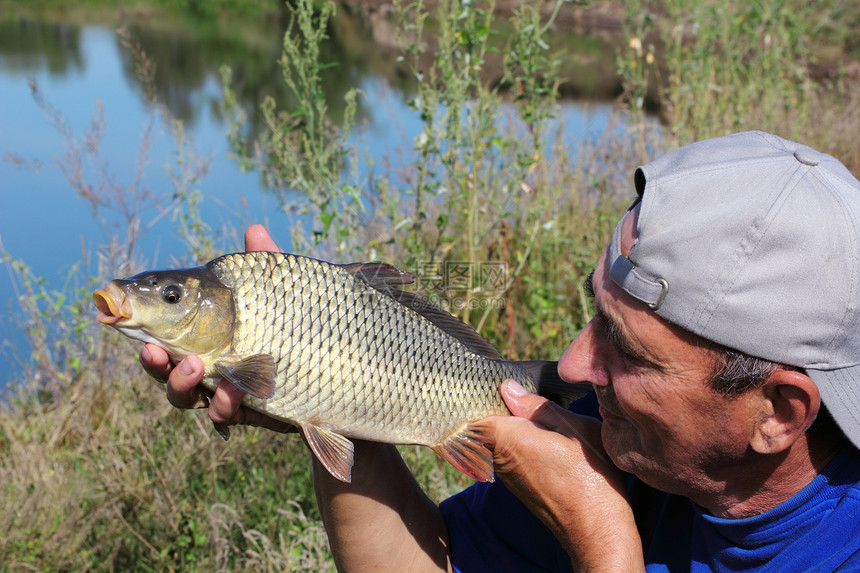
x,y
550,416
520,401
536,409
257,238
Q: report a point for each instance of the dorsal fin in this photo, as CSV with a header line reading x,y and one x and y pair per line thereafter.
x,y
383,277
446,321
379,274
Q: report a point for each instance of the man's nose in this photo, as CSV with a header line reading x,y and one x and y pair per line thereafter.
x,y
582,362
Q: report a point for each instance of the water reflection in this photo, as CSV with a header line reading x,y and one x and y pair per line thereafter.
x,y
188,54
27,46
186,59
44,224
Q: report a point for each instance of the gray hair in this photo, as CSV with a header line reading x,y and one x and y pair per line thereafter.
x,y
736,372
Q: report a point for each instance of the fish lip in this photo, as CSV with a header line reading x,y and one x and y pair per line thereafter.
x,y
111,304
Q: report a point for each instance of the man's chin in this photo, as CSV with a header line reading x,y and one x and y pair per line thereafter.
x,y
620,443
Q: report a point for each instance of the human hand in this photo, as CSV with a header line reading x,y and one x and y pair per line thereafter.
x,y
183,379
553,460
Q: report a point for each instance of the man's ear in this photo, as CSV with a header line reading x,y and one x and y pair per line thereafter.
x,y
790,403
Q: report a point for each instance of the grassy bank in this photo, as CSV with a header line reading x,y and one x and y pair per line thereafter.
x,y
99,473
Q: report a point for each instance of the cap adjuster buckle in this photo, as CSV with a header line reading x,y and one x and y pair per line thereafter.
x,y
625,275
662,297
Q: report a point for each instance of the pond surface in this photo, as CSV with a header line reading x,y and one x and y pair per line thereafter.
x,y
78,70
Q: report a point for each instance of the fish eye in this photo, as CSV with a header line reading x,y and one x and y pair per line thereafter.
x,y
172,294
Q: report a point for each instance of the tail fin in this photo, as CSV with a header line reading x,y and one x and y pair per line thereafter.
x,y
549,383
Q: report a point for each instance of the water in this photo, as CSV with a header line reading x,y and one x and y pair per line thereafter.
x,y
46,225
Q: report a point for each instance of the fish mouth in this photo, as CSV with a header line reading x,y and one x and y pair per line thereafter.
x,y
111,304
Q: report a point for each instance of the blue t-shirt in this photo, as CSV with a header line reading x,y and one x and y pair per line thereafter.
x,y
816,530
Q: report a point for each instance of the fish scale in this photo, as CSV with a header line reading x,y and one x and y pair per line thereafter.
x,y
337,350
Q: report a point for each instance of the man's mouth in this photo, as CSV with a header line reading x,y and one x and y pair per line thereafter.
x,y
609,407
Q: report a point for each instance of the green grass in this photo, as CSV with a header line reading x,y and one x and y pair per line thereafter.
x,y
99,473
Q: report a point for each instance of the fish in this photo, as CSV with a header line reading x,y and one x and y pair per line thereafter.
x,y
339,350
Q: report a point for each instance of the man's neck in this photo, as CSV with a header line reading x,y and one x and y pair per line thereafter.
x,y
769,480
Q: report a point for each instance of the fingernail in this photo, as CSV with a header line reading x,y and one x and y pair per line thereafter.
x,y
185,368
147,357
515,390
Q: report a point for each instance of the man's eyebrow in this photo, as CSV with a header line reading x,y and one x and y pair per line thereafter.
x,y
617,339
589,285
612,331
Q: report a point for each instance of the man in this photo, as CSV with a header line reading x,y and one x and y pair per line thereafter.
x,y
727,316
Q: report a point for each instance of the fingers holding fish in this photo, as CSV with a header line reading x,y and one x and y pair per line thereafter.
x,y
257,238
225,409
183,389
539,432
537,420
543,453
182,380
550,416
156,362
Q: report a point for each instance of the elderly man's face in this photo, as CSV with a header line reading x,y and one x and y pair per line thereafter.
x,y
662,420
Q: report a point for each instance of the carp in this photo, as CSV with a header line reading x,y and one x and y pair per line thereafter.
x,y
339,350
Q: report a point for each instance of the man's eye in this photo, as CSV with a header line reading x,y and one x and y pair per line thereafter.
x,y
172,294
631,358
616,341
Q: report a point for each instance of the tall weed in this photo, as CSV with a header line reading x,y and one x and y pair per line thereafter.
x,y
720,67
490,182
303,154
483,207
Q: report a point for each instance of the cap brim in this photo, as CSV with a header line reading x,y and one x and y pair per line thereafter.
x,y
840,392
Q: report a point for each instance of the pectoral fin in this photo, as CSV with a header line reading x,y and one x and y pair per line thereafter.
x,y
254,375
335,452
222,429
465,451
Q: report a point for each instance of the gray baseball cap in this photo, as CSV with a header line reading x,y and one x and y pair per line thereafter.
x,y
753,241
